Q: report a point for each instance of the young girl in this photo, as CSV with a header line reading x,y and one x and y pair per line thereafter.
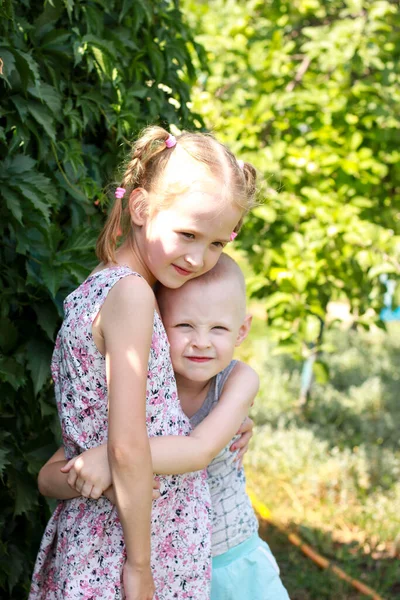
x,y
180,202
205,320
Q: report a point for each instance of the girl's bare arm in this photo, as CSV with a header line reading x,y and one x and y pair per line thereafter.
x,y
126,322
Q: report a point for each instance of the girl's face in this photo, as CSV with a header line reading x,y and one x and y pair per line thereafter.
x,y
186,239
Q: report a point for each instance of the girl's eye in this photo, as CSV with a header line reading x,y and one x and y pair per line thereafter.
x,y
219,244
189,236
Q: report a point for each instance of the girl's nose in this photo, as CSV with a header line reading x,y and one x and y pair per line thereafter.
x,y
195,259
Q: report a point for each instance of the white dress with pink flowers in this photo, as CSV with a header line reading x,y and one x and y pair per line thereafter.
x,y
82,551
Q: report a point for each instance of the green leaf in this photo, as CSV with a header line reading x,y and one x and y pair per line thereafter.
x,y
43,117
8,64
126,7
157,61
20,164
101,44
3,460
25,495
11,372
27,67
384,268
37,202
278,298
13,203
8,335
147,8
38,356
47,318
48,95
321,372
78,272
52,277
82,240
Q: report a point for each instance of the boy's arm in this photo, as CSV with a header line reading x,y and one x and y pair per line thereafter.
x,y
180,454
170,454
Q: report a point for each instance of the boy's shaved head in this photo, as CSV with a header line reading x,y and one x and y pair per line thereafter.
x,y
225,274
226,268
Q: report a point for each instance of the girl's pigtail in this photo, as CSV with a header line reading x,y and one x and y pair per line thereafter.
x,y
250,180
107,241
140,172
250,177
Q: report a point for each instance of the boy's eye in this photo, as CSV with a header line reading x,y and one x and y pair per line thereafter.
x,y
183,325
221,327
189,236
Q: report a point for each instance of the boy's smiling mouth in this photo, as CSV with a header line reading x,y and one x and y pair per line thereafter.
x,y
199,359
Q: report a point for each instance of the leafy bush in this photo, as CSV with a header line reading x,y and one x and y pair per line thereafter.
x,y
79,78
336,462
306,91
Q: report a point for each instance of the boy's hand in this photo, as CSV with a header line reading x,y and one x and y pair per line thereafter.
x,y
89,473
242,444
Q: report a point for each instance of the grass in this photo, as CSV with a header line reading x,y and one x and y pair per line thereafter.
x,y
330,471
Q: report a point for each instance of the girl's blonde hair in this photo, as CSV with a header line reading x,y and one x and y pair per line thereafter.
x,y
145,169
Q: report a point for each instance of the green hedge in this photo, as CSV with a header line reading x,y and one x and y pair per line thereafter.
x,y
79,79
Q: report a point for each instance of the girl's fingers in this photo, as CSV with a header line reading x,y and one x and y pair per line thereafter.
x,y
86,490
71,479
96,493
66,468
156,494
79,484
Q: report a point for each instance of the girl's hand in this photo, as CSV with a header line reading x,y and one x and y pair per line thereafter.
x,y
242,444
138,582
89,473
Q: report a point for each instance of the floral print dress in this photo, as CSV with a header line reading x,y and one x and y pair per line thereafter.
x,y
82,551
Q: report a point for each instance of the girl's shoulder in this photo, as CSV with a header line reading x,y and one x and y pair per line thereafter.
x,y
119,282
127,288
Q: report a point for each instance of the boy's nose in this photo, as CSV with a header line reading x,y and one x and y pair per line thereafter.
x,y
201,341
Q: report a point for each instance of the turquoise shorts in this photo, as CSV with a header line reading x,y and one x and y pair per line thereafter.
x,y
247,572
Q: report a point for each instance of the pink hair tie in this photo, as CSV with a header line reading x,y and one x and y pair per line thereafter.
x,y
120,192
170,142
233,235
240,163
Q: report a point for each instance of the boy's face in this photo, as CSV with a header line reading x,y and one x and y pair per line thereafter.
x,y
204,323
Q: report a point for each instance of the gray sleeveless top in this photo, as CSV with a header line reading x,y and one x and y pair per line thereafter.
x,y
233,518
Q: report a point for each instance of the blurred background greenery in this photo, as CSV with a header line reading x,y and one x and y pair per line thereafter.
x,y
306,90
329,471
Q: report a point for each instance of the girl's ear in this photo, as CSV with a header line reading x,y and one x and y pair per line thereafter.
x,y
138,206
244,330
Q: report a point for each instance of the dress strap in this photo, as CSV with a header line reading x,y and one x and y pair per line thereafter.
x,y
96,289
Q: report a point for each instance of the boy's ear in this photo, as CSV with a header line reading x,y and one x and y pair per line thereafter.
x,y
138,206
244,330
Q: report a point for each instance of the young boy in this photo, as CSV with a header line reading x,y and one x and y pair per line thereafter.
x,y
204,319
